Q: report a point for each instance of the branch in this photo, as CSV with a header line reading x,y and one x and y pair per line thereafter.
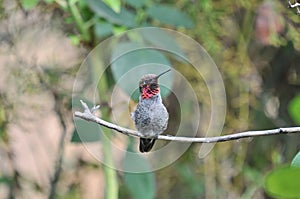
x,y
296,4
88,116
61,148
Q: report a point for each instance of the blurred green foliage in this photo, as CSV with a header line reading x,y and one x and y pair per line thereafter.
x,y
29,4
284,182
294,109
296,160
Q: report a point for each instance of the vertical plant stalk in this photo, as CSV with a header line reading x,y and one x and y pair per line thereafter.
x,y
111,180
61,148
59,109
109,172
14,182
14,185
244,88
210,176
83,28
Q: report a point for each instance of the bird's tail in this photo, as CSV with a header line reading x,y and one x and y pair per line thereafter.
x,y
146,144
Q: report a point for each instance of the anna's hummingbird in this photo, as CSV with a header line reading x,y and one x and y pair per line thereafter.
x,y
151,116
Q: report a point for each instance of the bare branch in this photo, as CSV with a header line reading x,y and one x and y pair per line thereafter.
x,y
87,115
296,4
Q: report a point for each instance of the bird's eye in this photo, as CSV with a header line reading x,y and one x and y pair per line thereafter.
x,y
153,86
141,87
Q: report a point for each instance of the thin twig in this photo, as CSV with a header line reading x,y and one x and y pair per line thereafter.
x,y
87,115
296,4
61,148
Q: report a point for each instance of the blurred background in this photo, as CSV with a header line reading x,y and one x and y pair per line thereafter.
x,y
255,44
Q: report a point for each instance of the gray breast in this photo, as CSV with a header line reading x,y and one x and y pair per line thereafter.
x,y
151,116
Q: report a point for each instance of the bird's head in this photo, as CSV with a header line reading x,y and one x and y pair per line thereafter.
x,y
149,86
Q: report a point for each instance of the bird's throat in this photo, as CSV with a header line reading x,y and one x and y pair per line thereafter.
x,y
147,93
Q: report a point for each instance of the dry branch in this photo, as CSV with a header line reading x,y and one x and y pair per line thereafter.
x,y
88,116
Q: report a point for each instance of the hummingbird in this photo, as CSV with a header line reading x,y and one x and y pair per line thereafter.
x,y
151,116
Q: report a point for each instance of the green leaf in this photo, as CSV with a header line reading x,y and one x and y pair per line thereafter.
x,y
103,29
124,17
85,131
115,5
283,182
296,160
130,61
119,29
49,1
136,3
162,40
170,16
29,4
294,109
75,39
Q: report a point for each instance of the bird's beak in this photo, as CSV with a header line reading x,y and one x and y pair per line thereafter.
x,y
162,73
